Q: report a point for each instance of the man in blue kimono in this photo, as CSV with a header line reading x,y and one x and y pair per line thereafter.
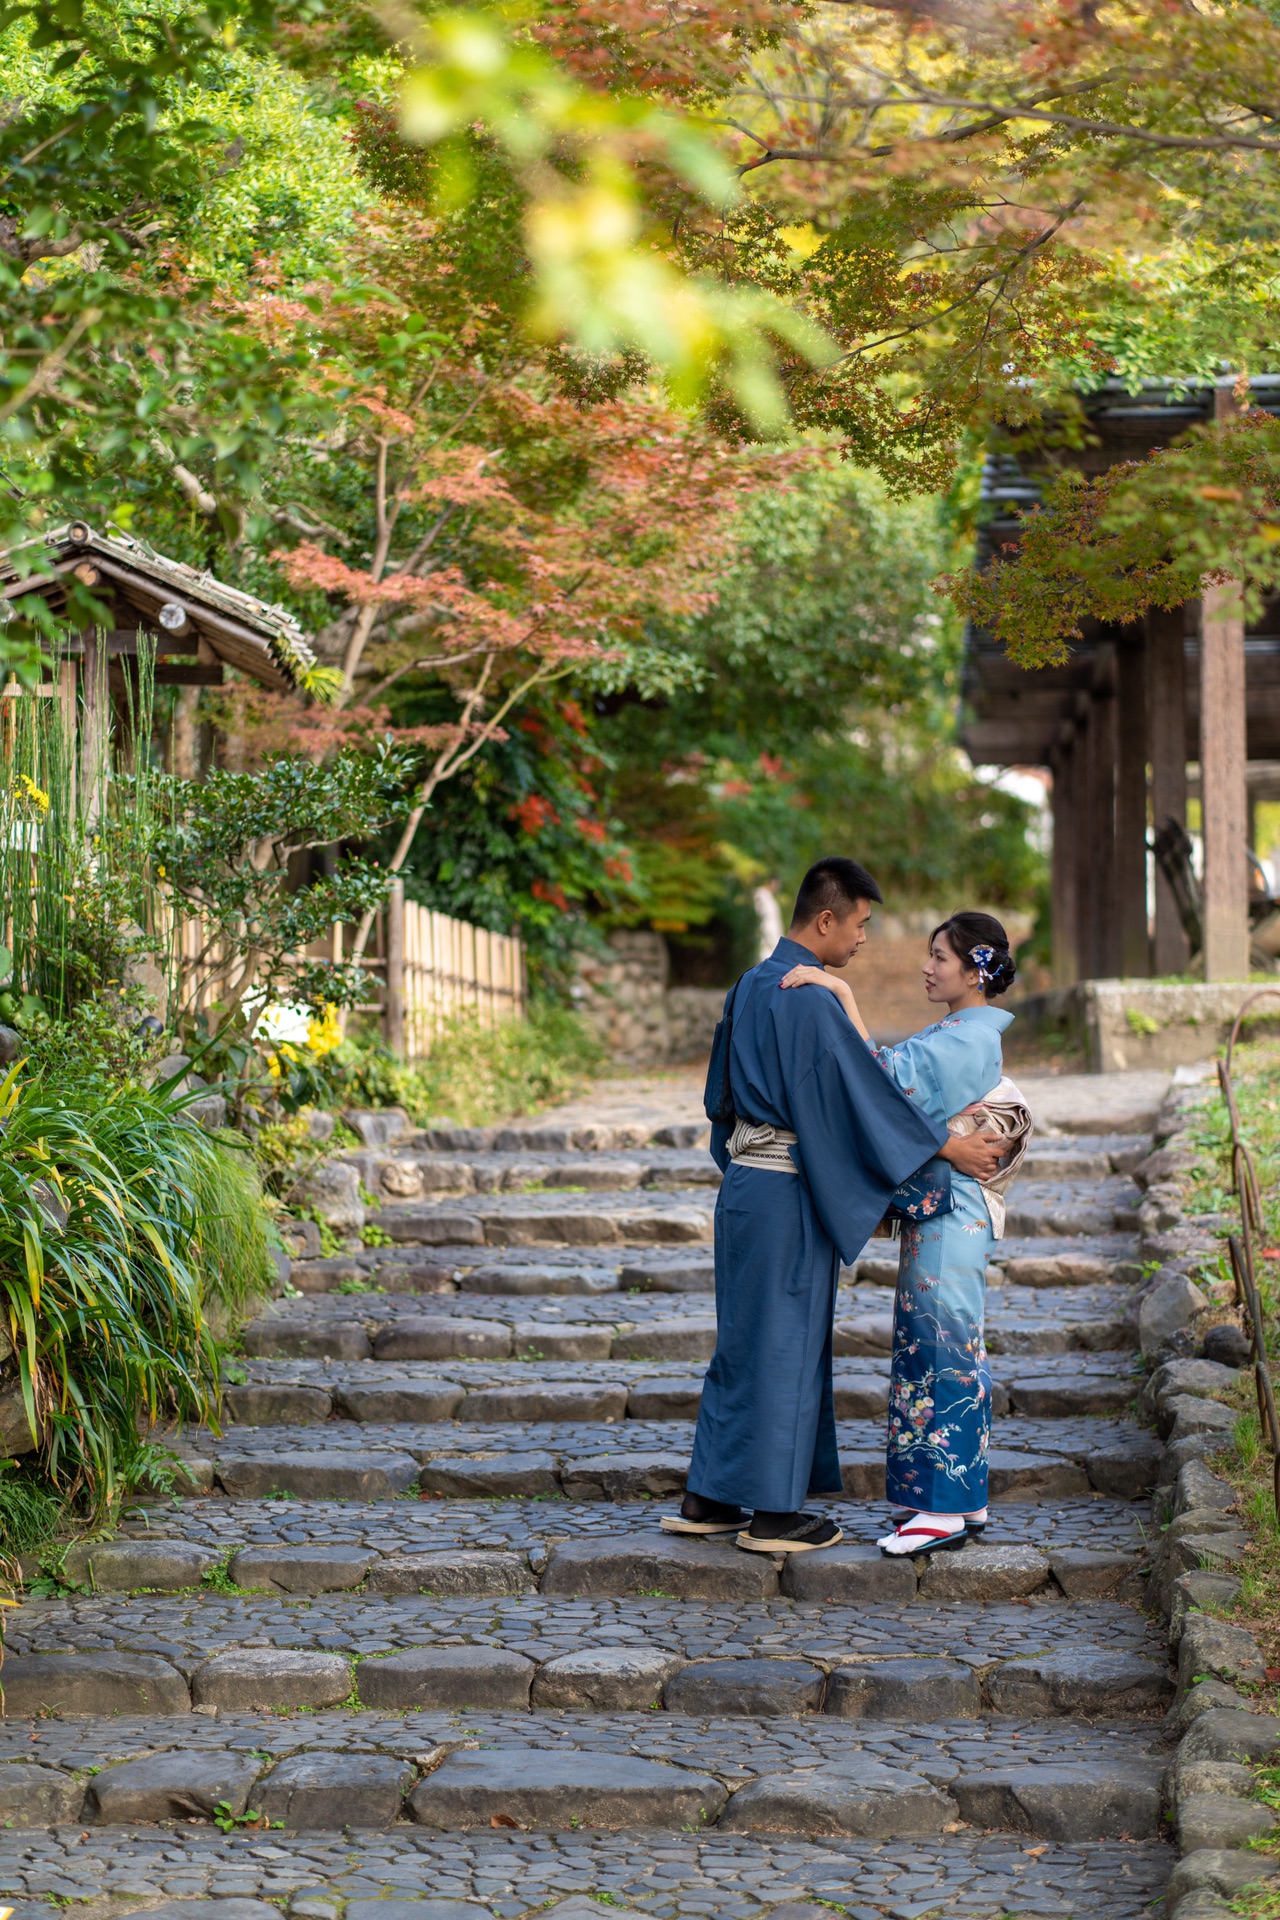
x,y
822,1139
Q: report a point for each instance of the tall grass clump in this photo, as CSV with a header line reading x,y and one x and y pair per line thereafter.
x,y
79,905
103,1255
231,1248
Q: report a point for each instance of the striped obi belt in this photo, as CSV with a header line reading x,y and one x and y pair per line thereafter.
x,y
762,1146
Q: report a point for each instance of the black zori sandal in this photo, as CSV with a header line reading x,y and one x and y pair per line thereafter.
x,y
708,1516
810,1532
676,1523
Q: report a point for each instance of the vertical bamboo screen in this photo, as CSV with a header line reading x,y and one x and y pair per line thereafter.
x,y
451,967
429,966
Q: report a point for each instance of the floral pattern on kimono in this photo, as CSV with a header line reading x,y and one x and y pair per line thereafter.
x,y
939,1426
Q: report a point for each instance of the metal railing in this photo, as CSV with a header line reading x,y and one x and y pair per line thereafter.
x,y
1244,1173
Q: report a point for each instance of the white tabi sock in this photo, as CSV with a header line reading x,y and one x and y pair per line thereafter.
x,y
919,1534
980,1514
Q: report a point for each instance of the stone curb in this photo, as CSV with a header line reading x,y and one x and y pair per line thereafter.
x,y
1208,1786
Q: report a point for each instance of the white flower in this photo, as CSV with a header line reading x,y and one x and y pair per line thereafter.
x,y
286,1025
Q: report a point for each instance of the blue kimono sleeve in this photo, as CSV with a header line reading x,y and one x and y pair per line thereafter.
x,y
860,1139
914,1072
720,1130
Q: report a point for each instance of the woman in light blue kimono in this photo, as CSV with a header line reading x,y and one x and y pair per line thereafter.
x,y
940,1386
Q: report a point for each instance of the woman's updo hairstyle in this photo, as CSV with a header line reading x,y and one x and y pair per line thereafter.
x,y
982,943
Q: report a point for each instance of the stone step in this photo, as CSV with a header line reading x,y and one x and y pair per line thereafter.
x,y
1019,1320
1069,1780
329,1351
530,1527
1040,1209
1034,1459
352,1601
550,1137
372,1273
605,1219
471,1875
1084,1156
404,1172
642,1217
281,1673
618,1562
388,1393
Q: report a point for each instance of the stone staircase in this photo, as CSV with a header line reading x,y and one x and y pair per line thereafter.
x,y
413,1609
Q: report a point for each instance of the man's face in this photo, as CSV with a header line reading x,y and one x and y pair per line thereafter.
x,y
838,940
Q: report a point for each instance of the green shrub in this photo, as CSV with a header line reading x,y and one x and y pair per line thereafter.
x,y
475,1075
117,1216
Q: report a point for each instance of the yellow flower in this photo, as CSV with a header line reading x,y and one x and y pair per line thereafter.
x,y
32,792
324,1032
273,1065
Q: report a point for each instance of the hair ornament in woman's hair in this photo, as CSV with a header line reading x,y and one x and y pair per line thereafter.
x,y
982,958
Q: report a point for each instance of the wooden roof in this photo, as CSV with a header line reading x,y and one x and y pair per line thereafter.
x,y
1014,715
188,611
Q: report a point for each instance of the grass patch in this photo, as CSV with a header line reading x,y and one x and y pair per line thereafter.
x,y
1247,1461
475,1076
31,1514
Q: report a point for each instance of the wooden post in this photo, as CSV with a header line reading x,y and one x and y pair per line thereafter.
x,y
67,676
393,1013
1167,750
182,750
1082,813
1223,789
95,725
1132,932
1099,862
1223,759
1066,780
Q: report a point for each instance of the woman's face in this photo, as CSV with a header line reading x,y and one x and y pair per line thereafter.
x,y
947,979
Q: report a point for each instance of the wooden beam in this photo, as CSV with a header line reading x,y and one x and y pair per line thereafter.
x,y
1167,751
189,674
1132,932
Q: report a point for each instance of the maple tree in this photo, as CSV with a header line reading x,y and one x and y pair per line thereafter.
x,y
1145,534
980,205
473,525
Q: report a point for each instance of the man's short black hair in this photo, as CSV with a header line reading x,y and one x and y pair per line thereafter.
x,y
833,884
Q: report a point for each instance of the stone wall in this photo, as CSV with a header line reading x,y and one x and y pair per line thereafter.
x,y
692,1013
625,995
643,1021
1126,1024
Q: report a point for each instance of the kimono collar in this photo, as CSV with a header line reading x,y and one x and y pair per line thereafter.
x,y
997,1016
794,954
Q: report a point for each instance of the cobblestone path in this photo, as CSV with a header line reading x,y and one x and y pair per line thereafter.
x,y
414,1609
